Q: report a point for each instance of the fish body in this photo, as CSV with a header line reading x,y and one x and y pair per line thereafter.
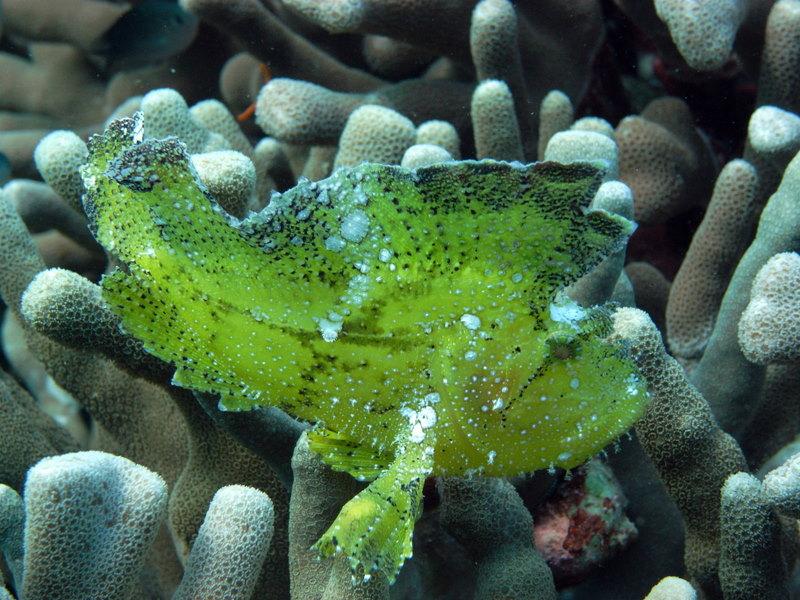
x,y
415,317
150,33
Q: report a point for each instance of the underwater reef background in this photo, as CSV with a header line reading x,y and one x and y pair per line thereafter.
x,y
116,484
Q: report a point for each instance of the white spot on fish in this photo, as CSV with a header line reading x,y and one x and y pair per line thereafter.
x,y
632,381
432,398
354,226
427,417
471,322
420,420
357,290
569,313
329,329
335,243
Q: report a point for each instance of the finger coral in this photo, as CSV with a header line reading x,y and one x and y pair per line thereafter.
x,y
768,329
308,227
90,518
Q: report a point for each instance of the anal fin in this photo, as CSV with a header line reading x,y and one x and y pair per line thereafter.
x,y
374,529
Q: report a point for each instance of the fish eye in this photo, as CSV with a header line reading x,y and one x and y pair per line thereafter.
x,y
562,346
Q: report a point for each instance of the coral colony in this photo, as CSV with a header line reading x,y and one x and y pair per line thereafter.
x,y
400,299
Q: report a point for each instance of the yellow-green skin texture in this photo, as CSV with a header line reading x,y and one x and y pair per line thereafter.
x,y
413,316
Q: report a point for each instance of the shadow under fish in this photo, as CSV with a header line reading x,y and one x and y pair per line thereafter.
x,y
151,32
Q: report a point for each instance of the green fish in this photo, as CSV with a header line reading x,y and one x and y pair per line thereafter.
x,y
414,317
